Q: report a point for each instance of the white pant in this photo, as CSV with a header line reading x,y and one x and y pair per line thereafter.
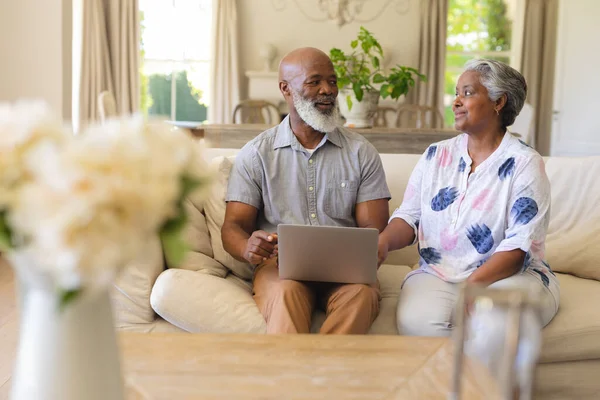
x,y
426,308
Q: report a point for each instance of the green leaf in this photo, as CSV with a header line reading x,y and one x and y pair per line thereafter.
x,y
366,47
188,185
378,78
385,91
375,62
354,43
66,297
358,91
349,102
399,90
5,232
335,53
174,245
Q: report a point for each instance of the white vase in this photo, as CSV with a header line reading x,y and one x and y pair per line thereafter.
x,y
362,113
68,354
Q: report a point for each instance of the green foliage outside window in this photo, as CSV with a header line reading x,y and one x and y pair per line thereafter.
x,y
474,26
145,99
187,108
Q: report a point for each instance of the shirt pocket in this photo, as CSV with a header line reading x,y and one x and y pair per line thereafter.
x,y
340,198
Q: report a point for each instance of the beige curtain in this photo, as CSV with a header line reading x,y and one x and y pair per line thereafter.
x,y
224,75
537,66
109,56
432,56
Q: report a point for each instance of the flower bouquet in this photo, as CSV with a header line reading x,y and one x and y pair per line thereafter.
x,y
74,210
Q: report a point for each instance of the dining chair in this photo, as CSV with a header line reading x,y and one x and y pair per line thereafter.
x,y
418,116
107,105
256,112
385,117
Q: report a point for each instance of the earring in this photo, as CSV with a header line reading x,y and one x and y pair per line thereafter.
x,y
497,112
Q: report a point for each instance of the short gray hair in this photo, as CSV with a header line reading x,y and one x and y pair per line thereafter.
x,y
499,78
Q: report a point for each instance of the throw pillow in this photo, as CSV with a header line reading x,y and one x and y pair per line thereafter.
x,y
215,214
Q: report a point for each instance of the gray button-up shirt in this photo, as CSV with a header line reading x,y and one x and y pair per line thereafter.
x,y
277,175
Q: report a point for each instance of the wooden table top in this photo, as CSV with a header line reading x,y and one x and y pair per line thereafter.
x,y
385,140
209,366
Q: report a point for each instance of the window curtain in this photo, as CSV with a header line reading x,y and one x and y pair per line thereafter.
x,y
224,72
109,56
432,56
537,66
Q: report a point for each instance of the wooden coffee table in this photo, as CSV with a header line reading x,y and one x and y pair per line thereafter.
x,y
188,366
207,366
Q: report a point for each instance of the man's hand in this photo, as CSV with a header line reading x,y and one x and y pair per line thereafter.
x,y
260,247
382,250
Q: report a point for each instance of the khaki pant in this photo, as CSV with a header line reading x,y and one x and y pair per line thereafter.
x,y
287,305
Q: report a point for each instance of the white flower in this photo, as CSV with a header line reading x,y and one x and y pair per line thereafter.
x,y
23,126
89,203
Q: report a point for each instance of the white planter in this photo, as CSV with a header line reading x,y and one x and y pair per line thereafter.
x,y
68,354
362,113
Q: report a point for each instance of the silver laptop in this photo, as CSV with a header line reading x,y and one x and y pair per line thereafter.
x,y
327,253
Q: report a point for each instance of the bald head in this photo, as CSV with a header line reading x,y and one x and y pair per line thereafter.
x,y
298,61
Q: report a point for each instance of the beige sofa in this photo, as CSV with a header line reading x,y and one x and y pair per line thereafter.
x,y
211,291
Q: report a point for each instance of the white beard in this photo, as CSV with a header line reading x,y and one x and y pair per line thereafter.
x,y
315,118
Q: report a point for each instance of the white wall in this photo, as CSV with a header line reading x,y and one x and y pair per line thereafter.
x,y
576,126
261,23
35,46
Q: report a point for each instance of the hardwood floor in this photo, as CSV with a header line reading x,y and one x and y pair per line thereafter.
x,y
8,326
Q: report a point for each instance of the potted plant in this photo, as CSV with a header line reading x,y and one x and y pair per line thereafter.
x,y
362,81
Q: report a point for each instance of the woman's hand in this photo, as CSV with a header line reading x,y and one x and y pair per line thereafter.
x,y
382,250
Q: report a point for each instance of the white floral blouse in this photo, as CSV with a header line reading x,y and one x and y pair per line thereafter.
x,y
461,218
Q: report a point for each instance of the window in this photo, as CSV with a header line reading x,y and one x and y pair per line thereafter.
x,y
175,46
478,29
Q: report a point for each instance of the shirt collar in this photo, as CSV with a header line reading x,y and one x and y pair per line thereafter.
x,y
285,136
506,140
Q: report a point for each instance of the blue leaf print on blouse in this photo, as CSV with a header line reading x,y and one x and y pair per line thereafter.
x,y
431,152
481,238
481,262
548,266
525,144
430,255
444,198
545,279
526,262
524,210
462,165
506,169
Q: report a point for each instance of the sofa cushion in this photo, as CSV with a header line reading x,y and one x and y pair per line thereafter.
x,y
197,302
217,305
200,255
215,215
130,293
572,242
574,333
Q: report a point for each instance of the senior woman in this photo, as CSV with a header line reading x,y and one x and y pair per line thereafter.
x,y
478,206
